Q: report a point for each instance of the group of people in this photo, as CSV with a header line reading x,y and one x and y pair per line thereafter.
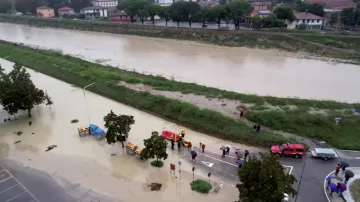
x,y
338,187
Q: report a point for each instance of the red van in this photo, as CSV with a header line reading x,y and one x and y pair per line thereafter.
x,y
293,150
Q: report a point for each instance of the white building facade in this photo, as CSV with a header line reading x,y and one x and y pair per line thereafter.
x,y
310,21
95,12
105,3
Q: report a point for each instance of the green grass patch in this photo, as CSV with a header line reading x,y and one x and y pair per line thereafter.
x,y
157,164
296,119
355,190
201,186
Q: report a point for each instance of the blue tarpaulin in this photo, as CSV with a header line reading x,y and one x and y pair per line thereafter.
x,y
96,130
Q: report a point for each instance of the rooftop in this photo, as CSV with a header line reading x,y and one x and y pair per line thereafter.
x,y
307,16
65,9
43,7
261,4
333,4
93,7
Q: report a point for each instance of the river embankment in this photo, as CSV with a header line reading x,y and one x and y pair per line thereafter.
x,y
321,46
203,108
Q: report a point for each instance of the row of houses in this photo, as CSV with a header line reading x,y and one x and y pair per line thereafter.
x,y
89,12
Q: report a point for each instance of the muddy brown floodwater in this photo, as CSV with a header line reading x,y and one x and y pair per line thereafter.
x,y
90,162
263,72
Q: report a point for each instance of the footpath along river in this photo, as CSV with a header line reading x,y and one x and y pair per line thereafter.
x,y
89,162
255,71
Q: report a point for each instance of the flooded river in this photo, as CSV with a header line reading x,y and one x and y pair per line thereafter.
x,y
92,163
264,72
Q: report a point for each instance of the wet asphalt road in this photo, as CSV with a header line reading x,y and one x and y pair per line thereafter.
x,y
309,172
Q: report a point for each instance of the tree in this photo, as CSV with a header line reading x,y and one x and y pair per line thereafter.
x,y
264,180
153,10
164,12
348,17
218,13
142,14
284,13
133,8
205,14
118,127
77,5
316,9
155,147
177,11
18,91
237,10
192,9
5,6
28,6
257,22
334,19
48,100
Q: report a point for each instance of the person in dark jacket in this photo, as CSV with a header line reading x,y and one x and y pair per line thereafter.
x,y
172,144
258,128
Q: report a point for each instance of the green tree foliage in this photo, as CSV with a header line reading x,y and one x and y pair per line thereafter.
x,y
17,91
5,6
316,9
264,180
142,14
237,10
77,5
184,11
218,13
284,13
155,147
257,22
349,17
205,14
153,10
134,8
118,127
334,19
28,6
272,21
164,12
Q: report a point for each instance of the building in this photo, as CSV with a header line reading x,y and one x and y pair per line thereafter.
x,y
259,6
105,3
45,12
95,12
118,16
311,21
66,11
261,13
334,4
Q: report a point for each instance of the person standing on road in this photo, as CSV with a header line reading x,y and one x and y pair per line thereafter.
x,y
258,128
246,155
337,169
189,146
203,148
172,144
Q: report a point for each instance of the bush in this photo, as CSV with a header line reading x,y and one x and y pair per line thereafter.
x,y
157,164
201,186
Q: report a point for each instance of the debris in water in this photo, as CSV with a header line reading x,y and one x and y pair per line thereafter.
x,y
33,133
19,133
50,147
30,123
17,142
74,121
113,154
4,120
155,186
223,104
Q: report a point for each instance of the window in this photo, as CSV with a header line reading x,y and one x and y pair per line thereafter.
x,y
285,149
312,21
308,21
317,21
299,150
303,21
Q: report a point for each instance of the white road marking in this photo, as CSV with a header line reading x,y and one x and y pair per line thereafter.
x,y
9,188
5,179
20,184
16,196
207,163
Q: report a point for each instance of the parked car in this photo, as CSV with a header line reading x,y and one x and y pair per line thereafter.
x,y
292,150
324,153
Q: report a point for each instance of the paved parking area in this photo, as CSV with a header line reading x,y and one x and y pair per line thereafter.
x,y
11,190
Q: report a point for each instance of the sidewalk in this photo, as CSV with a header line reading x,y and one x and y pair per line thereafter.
x,y
340,178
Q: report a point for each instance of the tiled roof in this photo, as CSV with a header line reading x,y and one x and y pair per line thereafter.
x,y
43,7
65,9
307,16
340,4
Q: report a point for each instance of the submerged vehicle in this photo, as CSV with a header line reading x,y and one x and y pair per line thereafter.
x,y
92,130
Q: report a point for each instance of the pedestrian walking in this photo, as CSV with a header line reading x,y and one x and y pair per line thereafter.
x,y
182,134
179,144
193,155
328,181
254,127
241,114
172,144
344,165
342,187
333,188
258,128
246,155
223,153
337,169
203,148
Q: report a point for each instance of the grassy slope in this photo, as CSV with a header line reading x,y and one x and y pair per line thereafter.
x,y
298,121
287,41
81,73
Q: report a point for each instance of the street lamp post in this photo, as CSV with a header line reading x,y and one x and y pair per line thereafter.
x,y
87,110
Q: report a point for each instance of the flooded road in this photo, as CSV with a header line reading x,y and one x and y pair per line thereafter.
x,y
90,162
263,72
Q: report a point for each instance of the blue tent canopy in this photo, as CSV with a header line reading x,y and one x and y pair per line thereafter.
x,y
96,129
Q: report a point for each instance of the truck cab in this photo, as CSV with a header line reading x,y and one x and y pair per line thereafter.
x,y
290,150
